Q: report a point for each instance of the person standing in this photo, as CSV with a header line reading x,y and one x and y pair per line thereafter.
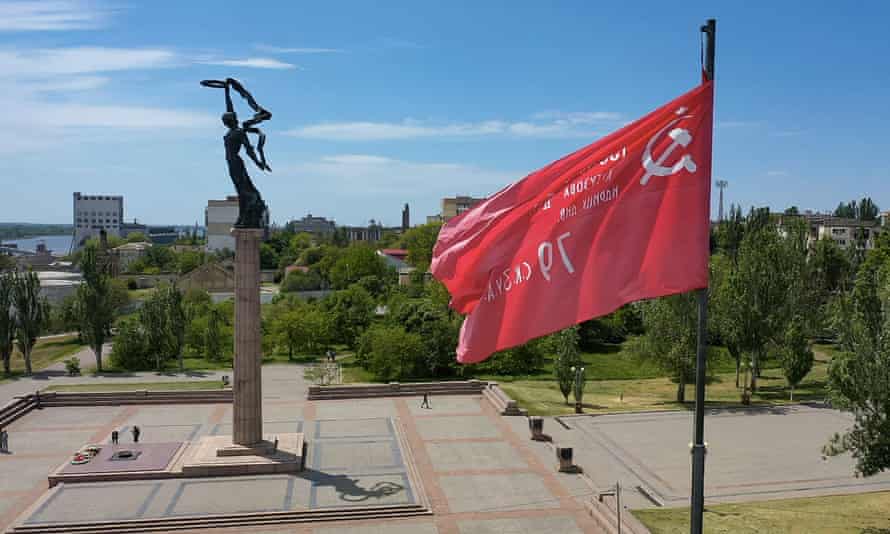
x,y
4,441
114,437
136,433
426,402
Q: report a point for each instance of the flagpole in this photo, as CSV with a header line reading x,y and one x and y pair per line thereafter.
x,y
698,444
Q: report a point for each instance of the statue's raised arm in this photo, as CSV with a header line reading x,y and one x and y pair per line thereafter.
x,y
252,209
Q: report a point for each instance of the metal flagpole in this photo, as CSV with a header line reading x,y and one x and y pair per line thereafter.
x,y
698,444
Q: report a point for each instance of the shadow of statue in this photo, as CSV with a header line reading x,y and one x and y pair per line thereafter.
x,y
348,489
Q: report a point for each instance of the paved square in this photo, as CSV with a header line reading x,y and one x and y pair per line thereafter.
x,y
68,417
523,525
462,455
752,454
90,502
335,491
151,457
490,493
389,527
352,455
355,409
446,404
353,428
457,427
229,495
45,442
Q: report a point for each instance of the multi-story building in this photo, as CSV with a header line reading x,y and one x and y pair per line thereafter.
x,y
219,217
843,231
94,213
133,228
371,233
452,207
312,225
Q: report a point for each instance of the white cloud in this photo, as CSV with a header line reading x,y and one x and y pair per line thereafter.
x,y
82,60
548,124
364,174
45,15
251,62
289,50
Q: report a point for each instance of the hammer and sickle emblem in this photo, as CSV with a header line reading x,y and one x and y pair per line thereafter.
x,y
680,137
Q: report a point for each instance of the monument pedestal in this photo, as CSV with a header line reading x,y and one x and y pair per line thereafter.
x,y
218,456
247,409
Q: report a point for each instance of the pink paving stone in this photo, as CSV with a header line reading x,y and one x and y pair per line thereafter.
x,y
153,457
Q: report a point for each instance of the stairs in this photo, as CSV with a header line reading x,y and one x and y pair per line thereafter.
x,y
222,521
396,389
116,398
502,402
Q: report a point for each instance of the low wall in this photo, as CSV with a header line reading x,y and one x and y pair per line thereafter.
x,y
396,389
24,404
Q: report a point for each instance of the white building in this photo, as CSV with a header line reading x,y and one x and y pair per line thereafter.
x,y
219,217
94,213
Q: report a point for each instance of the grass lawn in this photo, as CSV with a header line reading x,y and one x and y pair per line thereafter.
x,y
542,397
140,386
866,513
45,353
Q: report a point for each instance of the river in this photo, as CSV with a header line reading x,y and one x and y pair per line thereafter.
x,y
57,244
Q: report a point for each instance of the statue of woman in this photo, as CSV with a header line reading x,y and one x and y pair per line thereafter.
x,y
252,209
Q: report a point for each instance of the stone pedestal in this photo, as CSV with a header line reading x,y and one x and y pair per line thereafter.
x,y
247,410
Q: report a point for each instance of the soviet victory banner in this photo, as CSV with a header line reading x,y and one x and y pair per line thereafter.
x,y
623,219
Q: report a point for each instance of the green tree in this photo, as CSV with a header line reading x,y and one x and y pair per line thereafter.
x,y
767,289
7,318
419,241
96,303
567,357
859,378
31,312
795,356
670,338
189,260
177,322
302,281
213,335
390,352
136,237
154,320
351,310
355,263
578,386
130,349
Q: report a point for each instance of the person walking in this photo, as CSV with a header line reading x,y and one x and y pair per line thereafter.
x,y
114,437
4,441
136,433
426,402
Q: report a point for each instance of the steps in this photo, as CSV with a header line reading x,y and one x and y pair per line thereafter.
x,y
502,402
223,521
396,389
116,398
15,409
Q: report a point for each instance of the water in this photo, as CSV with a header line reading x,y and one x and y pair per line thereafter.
x,y
57,244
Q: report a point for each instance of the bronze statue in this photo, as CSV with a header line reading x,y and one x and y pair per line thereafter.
x,y
252,209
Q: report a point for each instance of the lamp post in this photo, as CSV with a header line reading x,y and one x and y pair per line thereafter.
x,y
578,387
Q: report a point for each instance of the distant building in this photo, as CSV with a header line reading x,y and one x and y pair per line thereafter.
x,y
94,213
394,257
406,218
219,216
843,231
210,277
370,234
163,235
452,207
128,253
133,228
312,225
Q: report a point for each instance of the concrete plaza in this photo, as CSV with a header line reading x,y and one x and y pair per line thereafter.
x,y
460,459
753,454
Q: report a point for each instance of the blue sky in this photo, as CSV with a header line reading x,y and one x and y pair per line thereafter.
x,y
380,103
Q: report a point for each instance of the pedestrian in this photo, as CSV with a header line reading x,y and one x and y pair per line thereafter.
x,y
426,401
114,436
4,441
136,433
275,446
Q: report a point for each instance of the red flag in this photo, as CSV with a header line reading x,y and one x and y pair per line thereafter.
x,y
623,219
